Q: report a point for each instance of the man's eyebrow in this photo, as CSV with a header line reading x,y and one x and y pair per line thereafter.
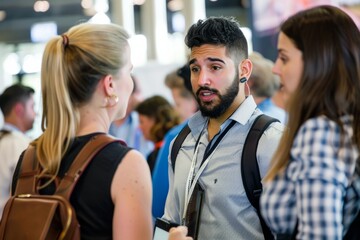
x,y
192,61
211,59
216,60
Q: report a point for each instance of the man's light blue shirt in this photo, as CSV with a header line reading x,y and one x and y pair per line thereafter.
x,y
269,108
226,212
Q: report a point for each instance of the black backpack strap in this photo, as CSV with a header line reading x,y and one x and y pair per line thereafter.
x,y
177,144
249,166
353,232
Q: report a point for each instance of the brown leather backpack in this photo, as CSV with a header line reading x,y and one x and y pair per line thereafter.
x,y
30,216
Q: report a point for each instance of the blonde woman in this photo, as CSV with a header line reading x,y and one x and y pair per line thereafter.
x,y
86,84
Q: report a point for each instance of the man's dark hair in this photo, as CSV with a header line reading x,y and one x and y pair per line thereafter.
x,y
219,31
14,94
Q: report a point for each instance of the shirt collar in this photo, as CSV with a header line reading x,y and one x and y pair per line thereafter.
x,y
244,111
11,128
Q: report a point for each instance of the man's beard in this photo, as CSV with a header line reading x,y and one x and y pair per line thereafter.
x,y
225,100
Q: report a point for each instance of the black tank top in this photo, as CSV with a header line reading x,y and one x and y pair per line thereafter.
x,y
91,197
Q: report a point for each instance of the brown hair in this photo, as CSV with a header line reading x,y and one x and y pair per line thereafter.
x,y
165,116
330,44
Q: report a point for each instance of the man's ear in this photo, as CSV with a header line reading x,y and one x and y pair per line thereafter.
x,y
19,109
245,68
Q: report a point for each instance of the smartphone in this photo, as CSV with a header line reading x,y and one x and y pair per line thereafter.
x,y
192,219
161,229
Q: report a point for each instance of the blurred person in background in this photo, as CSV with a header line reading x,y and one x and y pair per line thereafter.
x,y
278,98
127,128
263,85
17,106
156,116
179,83
1,119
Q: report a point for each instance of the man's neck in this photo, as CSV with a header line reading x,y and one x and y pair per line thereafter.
x,y
16,122
11,127
215,123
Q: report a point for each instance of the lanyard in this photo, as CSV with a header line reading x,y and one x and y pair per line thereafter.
x,y
209,151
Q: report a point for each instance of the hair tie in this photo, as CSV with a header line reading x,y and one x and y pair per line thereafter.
x,y
65,40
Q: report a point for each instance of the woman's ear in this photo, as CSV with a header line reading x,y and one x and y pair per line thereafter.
x,y
108,85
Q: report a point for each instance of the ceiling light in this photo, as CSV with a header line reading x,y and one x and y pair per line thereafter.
x,y
175,5
86,4
101,6
100,17
2,15
11,64
41,6
138,2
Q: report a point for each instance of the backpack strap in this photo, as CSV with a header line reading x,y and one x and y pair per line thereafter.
x,y
353,232
82,160
29,169
250,169
27,181
177,144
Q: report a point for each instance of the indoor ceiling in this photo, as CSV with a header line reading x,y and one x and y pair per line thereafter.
x,y
20,16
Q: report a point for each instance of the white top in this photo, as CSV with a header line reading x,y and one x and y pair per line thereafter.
x,y
11,147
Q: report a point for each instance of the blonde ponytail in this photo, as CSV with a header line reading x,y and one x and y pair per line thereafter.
x,y
58,120
72,66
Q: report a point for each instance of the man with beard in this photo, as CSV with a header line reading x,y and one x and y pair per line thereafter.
x,y
207,174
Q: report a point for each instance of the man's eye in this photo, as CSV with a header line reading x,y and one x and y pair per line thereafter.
x,y
194,69
216,67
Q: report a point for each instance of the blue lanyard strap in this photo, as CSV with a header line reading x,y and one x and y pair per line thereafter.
x,y
211,147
